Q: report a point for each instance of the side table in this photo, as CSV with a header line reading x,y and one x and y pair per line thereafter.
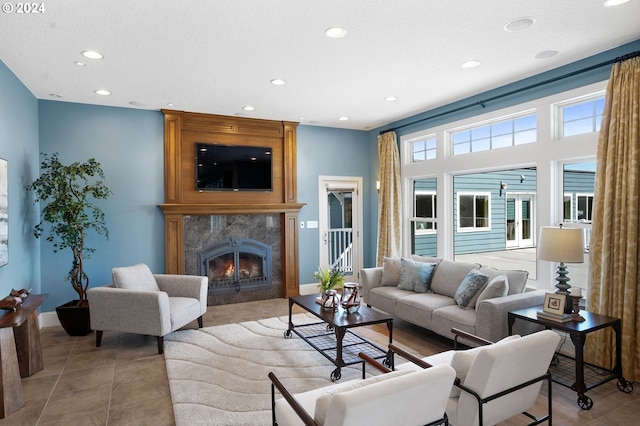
x,y
20,352
578,332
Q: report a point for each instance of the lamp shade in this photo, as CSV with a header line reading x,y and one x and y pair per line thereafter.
x,y
561,245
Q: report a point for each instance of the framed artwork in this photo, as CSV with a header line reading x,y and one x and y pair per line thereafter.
x,y
4,214
554,303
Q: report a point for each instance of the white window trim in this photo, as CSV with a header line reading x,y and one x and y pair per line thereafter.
x,y
433,220
473,228
558,131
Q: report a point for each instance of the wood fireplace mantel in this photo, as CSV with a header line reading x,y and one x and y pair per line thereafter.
x,y
182,130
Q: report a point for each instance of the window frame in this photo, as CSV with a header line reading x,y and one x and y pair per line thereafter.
x,y
475,196
433,220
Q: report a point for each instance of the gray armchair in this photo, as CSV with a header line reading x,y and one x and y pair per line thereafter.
x,y
144,303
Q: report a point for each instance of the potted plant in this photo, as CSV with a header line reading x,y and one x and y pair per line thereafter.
x,y
328,281
67,192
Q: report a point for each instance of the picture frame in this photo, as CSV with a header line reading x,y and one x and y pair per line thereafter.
x,y
554,303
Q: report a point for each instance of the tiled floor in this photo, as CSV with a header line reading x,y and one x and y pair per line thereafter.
x,y
124,382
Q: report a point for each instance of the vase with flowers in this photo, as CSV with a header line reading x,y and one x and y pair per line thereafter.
x,y
329,280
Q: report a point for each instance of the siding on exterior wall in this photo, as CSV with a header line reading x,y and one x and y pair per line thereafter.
x,y
493,239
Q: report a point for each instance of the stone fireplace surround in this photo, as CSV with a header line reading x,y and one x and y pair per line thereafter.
x,y
270,215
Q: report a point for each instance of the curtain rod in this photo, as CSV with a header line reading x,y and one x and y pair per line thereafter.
x,y
513,92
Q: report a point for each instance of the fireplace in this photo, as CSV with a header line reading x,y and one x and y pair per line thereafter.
x,y
236,264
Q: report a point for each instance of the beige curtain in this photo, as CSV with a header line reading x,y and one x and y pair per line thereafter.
x,y
390,198
614,254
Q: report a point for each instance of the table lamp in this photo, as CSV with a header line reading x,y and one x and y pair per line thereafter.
x,y
564,245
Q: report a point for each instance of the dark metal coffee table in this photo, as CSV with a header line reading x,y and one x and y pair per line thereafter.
x,y
332,336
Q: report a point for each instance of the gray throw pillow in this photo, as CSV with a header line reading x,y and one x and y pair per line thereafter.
x,y
470,288
497,287
390,271
415,276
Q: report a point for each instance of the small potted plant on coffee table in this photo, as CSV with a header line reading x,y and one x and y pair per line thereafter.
x,y
328,281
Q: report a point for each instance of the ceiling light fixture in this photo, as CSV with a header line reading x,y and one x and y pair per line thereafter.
x,y
169,104
519,24
55,95
248,108
471,64
102,92
612,3
546,54
343,118
336,32
278,82
92,54
80,64
390,99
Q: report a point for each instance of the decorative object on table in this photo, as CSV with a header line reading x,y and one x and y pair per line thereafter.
x,y
563,245
330,300
553,308
67,194
576,295
328,281
350,300
22,293
11,303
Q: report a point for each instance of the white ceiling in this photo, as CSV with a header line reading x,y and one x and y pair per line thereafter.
x,y
216,56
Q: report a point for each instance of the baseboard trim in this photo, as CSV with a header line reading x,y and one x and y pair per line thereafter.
x,y
48,319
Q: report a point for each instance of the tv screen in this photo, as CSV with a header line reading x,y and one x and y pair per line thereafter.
x,y
233,168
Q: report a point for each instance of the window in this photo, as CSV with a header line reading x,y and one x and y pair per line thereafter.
x,y
582,117
474,212
423,149
423,220
585,207
495,135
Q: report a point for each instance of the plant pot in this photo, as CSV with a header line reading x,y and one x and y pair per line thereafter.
x,y
74,319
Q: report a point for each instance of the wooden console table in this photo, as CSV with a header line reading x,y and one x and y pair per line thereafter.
x,y
20,352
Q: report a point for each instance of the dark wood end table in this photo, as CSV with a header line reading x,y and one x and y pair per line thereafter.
x,y
332,336
20,351
578,333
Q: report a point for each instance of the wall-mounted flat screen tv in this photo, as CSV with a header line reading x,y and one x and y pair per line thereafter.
x,y
233,167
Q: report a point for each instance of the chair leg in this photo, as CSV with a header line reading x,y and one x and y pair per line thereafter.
x,y
200,321
160,345
98,338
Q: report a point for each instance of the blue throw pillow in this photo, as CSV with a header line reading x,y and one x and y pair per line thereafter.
x,y
415,276
470,288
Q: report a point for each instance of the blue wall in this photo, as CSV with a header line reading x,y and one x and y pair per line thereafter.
x,y
331,152
129,144
19,146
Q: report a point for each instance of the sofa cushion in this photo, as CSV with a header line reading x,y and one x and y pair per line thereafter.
x,y
470,289
517,279
426,259
448,276
415,276
386,298
448,317
390,271
324,401
497,287
418,308
136,277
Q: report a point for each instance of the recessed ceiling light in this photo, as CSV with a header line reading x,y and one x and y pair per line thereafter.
x,y
471,64
103,92
519,24
545,54
278,82
612,3
248,108
336,32
169,104
80,64
55,95
92,54
343,118
390,99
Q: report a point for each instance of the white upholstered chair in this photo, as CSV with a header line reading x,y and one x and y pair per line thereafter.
x,y
144,303
399,398
496,381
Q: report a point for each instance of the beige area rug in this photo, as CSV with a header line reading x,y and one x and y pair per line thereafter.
x,y
218,375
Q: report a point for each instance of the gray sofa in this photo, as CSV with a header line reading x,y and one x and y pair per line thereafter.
x,y
439,307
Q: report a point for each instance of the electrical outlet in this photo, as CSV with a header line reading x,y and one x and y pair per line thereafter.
x,y
312,224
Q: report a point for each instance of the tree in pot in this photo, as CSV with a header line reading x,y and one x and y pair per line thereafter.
x,y
68,192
